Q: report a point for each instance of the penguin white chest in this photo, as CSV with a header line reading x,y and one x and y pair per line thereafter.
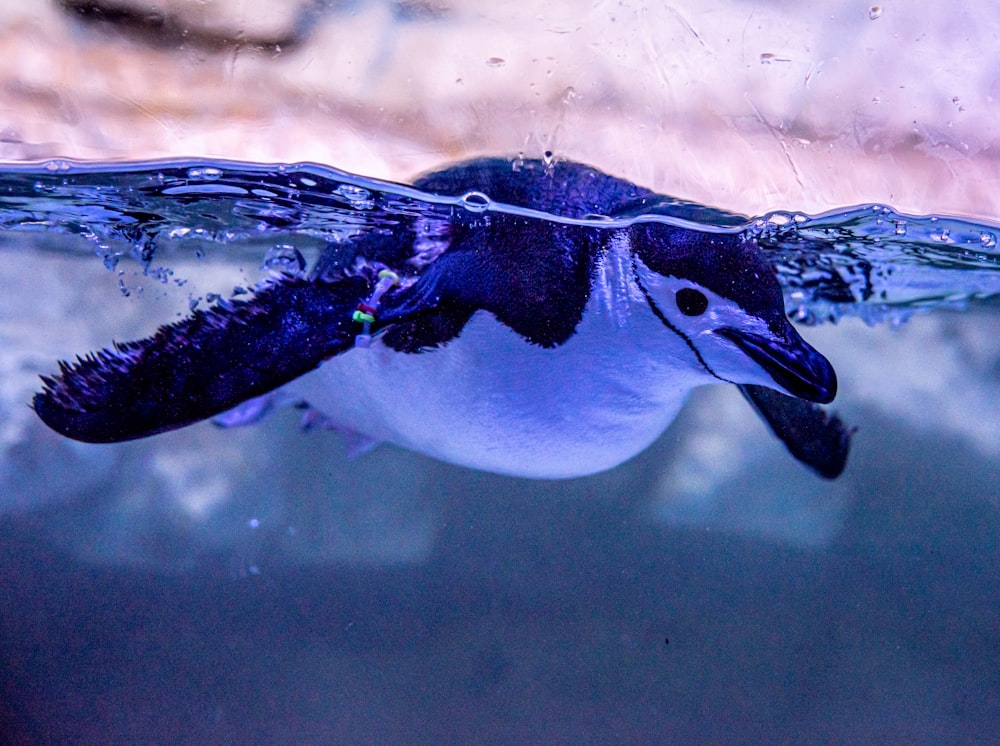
x,y
490,400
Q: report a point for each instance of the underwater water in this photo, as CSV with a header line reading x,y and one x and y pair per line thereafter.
x,y
257,585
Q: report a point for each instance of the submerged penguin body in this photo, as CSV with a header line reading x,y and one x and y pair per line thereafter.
x,y
489,400
513,342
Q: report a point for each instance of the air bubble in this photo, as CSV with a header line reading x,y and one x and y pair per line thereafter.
x,y
944,236
988,240
355,196
476,202
163,274
284,258
204,174
143,251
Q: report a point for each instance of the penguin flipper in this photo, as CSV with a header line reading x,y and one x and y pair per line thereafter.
x,y
204,365
819,440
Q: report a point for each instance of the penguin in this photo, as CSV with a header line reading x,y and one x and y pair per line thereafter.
x,y
551,328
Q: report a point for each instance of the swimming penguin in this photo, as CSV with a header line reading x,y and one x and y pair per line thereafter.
x,y
502,340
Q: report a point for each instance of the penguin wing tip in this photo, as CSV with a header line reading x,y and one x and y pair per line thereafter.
x,y
817,438
833,459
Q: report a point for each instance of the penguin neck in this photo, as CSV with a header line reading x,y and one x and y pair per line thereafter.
x,y
620,323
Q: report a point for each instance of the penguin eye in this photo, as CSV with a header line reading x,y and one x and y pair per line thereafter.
x,y
691,302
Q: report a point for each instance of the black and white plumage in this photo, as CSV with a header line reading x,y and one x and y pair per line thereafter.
x,y
512,343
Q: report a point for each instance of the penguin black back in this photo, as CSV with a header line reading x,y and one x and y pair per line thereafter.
x,y
534,275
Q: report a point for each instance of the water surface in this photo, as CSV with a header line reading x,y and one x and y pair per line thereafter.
x,y
863,260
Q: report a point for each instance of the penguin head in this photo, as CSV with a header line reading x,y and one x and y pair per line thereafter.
x,y
718,293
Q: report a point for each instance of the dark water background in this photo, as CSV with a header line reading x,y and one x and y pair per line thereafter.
x,y
256,586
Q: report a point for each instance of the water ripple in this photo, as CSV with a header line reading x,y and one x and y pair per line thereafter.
x,y
868,261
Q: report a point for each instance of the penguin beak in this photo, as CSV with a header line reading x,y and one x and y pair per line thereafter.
x,y
791,362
